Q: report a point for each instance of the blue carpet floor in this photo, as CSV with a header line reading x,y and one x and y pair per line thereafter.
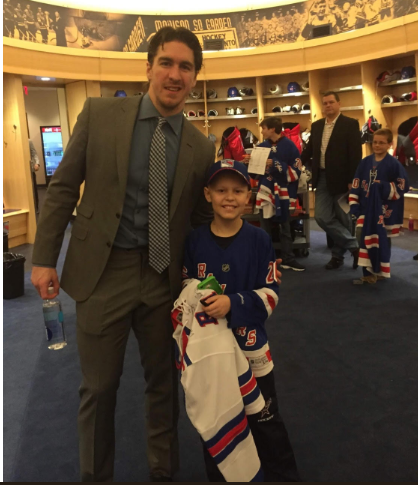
x,y
346,370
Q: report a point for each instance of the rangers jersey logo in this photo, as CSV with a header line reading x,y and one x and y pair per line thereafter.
x,y
278,166
227,163
386,212
274,149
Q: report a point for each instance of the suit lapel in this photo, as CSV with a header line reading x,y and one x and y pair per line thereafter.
x,y
124,123
184,163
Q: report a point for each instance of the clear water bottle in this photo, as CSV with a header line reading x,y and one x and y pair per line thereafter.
x,y
54,323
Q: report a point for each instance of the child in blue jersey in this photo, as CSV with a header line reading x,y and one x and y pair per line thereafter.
x,y
242,259
379,177
285,169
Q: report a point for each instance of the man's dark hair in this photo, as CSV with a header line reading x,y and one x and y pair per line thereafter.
x,y
273,122
170,34
384,132
331,93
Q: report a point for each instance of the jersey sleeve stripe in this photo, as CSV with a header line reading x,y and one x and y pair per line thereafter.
x,y
353,199
244,378
269,298
249,386
371,241
292,176
393,195
283,193
228,438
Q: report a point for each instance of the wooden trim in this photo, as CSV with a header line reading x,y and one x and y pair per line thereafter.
x,y
17,241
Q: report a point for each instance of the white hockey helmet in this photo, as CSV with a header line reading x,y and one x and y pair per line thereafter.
x,y
275,89
389,98
244,91
211,94
195,94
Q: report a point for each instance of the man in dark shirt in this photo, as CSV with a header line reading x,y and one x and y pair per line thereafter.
x,y
334,151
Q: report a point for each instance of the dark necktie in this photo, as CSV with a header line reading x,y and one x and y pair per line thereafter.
x,y
159,242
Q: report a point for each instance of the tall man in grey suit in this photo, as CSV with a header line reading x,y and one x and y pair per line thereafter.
x,y
108,268
334,151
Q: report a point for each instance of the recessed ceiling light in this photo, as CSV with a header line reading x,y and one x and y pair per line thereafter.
x,y
44,78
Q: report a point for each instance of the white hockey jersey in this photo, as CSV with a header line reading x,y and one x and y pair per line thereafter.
x,y
219,386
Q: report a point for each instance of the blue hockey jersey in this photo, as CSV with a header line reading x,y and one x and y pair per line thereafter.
x,y
393,183
271,199
246,270
286,167
374,253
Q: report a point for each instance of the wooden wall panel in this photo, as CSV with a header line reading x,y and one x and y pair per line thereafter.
x,y
315,83
262,64
93,89
76,94
60,65
17,177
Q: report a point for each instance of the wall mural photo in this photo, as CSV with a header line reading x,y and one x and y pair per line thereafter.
x,y
81,29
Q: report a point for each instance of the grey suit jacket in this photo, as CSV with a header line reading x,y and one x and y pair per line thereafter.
x,y
98,153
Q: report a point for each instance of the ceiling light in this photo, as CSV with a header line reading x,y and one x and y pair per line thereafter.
x,y
45,78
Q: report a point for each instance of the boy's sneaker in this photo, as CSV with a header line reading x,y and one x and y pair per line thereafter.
x,y
293,264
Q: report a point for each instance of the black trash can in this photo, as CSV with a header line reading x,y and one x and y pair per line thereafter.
x,y
13,275
5,242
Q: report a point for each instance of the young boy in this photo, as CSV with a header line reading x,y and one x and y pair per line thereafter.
x,y
242,259
376,200
285,170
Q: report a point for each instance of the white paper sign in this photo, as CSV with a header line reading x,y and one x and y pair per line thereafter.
x,y
258,160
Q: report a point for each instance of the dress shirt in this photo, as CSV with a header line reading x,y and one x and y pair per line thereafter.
x,y
326,135
133,228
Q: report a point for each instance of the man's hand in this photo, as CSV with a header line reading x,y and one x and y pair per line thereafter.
x,y
42,279
36,167
278,273
218,306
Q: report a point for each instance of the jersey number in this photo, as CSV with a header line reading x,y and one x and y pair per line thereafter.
x,y
252,338
271,276
356,183
204,319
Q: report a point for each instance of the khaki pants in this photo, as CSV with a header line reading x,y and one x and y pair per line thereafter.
x,y
129,294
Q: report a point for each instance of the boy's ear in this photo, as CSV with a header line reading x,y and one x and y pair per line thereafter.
x,y
207,194
249,195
